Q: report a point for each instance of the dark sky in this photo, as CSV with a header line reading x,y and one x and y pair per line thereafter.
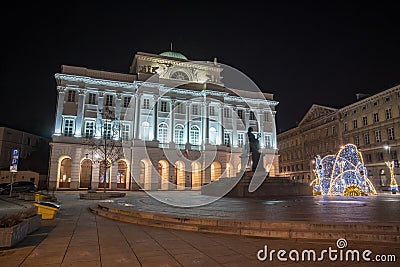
x,y
303,52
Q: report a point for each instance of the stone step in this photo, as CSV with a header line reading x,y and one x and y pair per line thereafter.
x,y
369,232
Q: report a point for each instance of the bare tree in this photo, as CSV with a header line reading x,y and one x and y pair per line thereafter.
x,y
106,143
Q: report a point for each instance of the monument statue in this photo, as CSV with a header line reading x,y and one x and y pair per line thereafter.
x,y
254,148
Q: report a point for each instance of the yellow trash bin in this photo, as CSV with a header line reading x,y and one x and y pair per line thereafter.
x,y
47,209
38,197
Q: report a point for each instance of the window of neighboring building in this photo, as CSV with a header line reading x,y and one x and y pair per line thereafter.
x,y
387,99
194,135
146,103
390,133
240,139
388,113
368,158
354,124
356,140
69,127
252,116
109,100
227,112
92,99
240,113
127,100
164,106
71,96
179,132
379,156
212,111
227,138
394,154
366,139
268,143
89,129
333,130
378,136
376,117
365,121
163,133
195,109
125,131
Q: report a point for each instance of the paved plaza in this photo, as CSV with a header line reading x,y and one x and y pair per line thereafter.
x,y
79,238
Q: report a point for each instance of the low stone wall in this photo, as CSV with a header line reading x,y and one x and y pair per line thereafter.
x,y
101,195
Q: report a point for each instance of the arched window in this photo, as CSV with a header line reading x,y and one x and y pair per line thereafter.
x,y
163,133
104,170
122,174
85,177
65,173
195,135
179,132
146,130
215,171
213,136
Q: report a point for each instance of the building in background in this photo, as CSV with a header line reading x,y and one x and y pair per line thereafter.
x,y
371,123
20,176
165,105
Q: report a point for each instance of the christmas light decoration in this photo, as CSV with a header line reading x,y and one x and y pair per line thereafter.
x,y
393,184
342,174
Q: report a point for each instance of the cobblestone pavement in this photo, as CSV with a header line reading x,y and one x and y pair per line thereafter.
x,y
78,238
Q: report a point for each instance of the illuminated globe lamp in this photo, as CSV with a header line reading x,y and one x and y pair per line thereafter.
x,y
342,174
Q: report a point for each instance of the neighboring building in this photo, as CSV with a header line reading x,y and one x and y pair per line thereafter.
x,y
5,177
165,105
34,150
372,124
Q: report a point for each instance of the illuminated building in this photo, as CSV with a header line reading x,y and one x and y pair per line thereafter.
x,y
199,115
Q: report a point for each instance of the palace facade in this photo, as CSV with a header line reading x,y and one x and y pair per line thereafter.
x,y
372,124
179,125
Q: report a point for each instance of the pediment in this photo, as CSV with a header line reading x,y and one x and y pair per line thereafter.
x,y
316,112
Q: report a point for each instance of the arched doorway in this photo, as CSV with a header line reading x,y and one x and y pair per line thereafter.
x,y
104,170
85,177
122,174
163,169
196,175
65,173
215,171
179,175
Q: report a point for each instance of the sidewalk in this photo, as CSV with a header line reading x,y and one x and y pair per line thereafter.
x,y
78,238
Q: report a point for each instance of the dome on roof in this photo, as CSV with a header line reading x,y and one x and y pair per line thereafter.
x,y
173,55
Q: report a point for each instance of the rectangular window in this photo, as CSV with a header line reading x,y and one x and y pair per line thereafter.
x,y
92,99
127,101
227,112
240,113
365,121
326,132
378,136
252,116
89,129
346,127
356,140
146,103
368,158
390,133
268,143
126,131
68,127
366,139
240,139
163,106
195,109
71,96
107,130
333,130
180,108
109,101
354,124
394,154
227,138
388,114
379,155
212,111
376,117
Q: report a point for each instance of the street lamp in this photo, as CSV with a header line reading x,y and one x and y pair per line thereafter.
x,y
387,147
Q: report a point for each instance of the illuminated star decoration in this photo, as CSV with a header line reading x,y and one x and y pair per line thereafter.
x,y
342,174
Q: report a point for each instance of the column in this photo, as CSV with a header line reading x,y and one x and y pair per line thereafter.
x,y
206,122
234,129
187,124
99,117
60,105
261,127
155,115
118,107
136,122
171,120
79,114
247,118
273,138
220,126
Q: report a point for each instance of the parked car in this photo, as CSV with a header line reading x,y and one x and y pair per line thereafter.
x,y
19,187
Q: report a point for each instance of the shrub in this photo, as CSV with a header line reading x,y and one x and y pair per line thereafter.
x,y
16,218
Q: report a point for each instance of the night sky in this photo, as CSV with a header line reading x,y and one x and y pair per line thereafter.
x,y
302,52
